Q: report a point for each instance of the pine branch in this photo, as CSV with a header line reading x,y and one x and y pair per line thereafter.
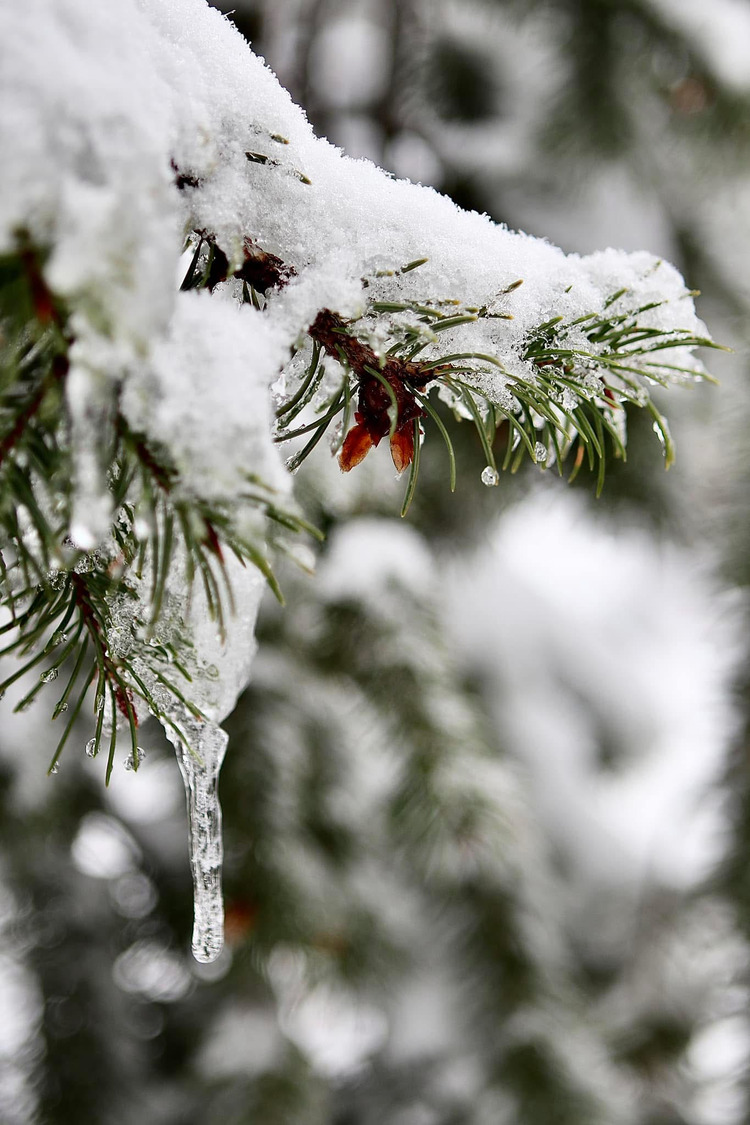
x,y
570,404
62,601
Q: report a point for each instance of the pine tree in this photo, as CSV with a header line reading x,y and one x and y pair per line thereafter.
x,y
136,473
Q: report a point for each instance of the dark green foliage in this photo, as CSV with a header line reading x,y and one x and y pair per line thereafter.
x,y
462,83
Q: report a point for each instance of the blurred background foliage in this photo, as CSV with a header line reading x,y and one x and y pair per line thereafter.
x,y
487,811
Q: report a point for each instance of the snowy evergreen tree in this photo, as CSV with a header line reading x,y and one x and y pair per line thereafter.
x,y
426,921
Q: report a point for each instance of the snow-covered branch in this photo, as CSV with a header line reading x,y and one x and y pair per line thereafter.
x,y
190,280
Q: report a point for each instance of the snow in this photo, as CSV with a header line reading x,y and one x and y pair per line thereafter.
x,y
655,649
241,354
373,555
216,102
336,1030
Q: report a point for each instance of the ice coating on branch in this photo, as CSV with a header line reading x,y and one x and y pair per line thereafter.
x,y
89,405
219,671
222,668
223,673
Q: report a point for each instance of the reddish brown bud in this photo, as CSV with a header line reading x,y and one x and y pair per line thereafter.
x,y
357,444
402,447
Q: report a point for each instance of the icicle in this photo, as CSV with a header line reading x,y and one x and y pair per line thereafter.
x,y
89,397
220,670
201,778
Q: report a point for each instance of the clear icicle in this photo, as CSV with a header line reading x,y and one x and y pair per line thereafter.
x,y
220,670
201,778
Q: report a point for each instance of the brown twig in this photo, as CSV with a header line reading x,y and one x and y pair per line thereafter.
x,y
123,696
373,420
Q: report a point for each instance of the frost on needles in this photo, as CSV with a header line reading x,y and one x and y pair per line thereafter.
x,y
194,289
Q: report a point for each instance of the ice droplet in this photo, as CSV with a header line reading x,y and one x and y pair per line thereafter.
x,y
569,400
91,748
490,476
49,675
200,773
540,452
57,638
334,440
212,672
55,768
130,761
592,383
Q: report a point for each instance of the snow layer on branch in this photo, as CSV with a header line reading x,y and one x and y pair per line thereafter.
x,y
100,104
85,123
237,353
131,124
